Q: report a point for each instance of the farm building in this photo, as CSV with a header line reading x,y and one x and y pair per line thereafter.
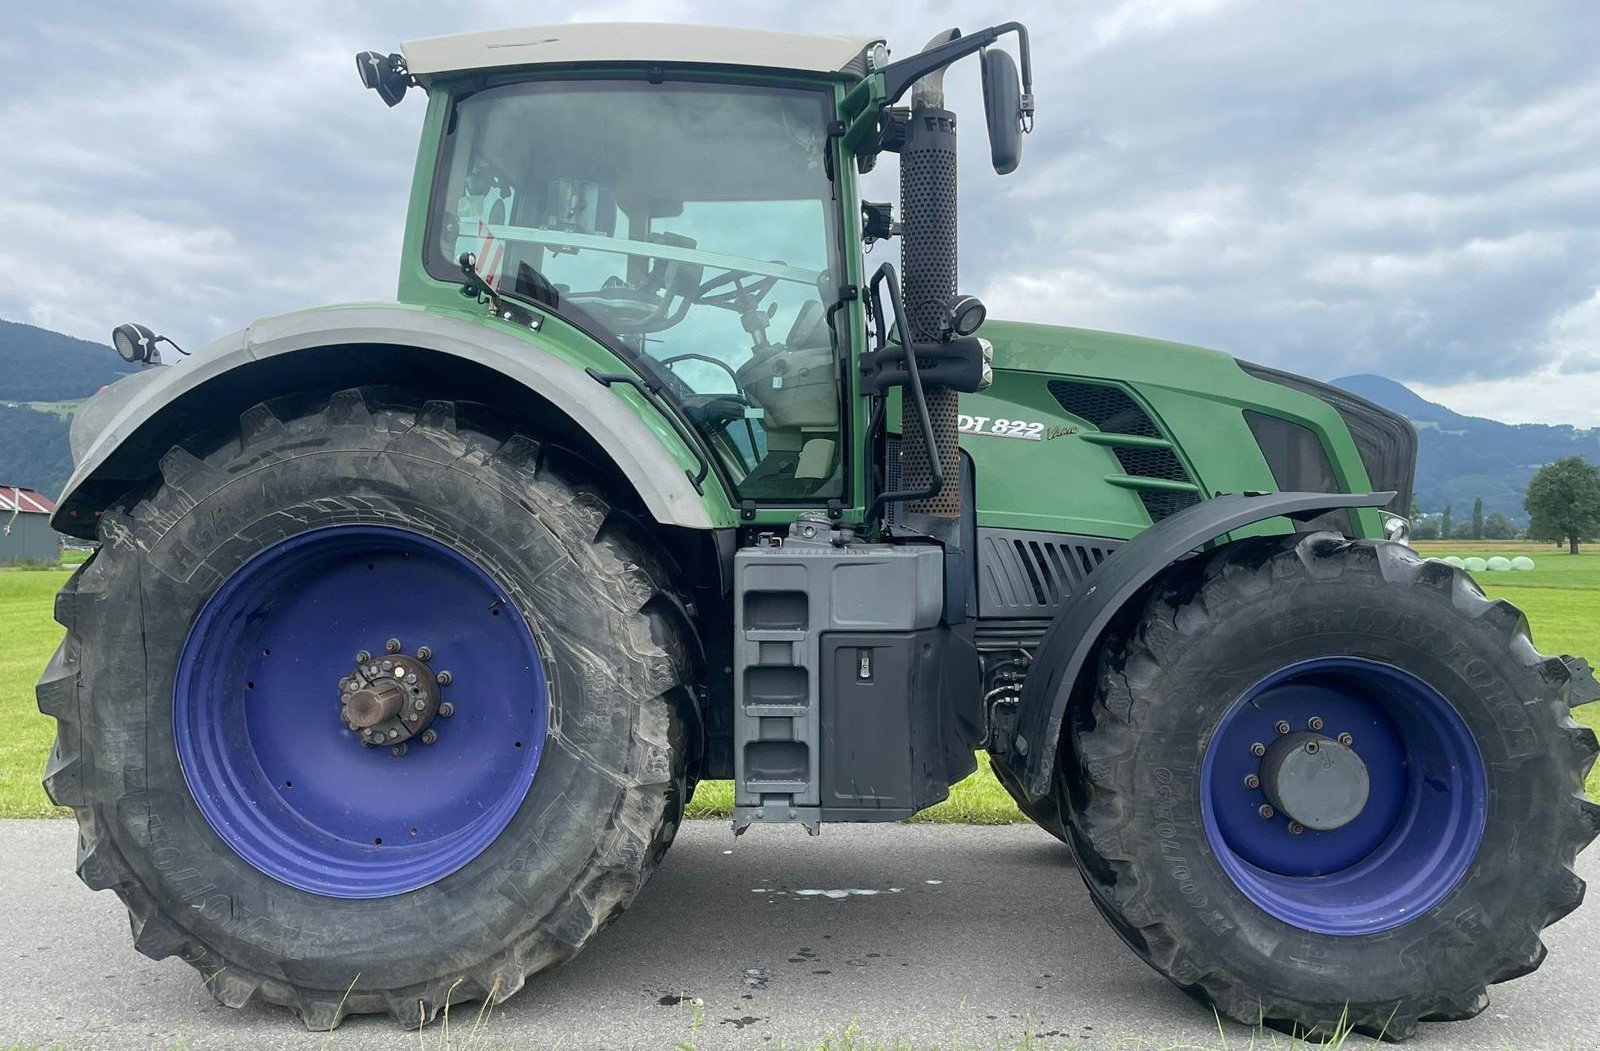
x,y
25,533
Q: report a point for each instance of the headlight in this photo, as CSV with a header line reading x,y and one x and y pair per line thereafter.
x,y
1396,528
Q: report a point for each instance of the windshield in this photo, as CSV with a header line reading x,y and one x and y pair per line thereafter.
x,y
693,223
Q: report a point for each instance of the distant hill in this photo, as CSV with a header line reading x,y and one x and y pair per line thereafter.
x,y
1460,458
33,449
40,366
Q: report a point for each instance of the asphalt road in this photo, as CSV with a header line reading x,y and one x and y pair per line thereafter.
x,y
989,935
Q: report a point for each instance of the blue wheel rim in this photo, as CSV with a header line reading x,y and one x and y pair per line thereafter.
x,y
288,785
1408,847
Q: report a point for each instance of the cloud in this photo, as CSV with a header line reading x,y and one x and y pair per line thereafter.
x,y
1407,189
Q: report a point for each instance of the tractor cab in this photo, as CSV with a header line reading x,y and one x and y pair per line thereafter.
x,y
687,199
690,224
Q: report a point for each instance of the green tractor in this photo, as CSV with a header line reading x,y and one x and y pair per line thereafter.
x,y
412,626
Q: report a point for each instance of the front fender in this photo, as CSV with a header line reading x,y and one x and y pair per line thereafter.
x,y
1075,633
162,404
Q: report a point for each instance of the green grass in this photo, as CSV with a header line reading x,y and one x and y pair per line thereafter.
x,y
29,636
1552,568
977,800
1561,598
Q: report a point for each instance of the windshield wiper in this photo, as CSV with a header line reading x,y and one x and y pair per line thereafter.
x,y
507,306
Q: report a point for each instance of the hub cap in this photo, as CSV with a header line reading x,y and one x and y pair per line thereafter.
x,y
325,754
1315,781
1343,795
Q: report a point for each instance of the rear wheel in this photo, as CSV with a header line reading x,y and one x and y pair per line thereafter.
x,y
1323,784
369,711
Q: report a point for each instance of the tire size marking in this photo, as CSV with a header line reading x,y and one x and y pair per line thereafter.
x,y
999,427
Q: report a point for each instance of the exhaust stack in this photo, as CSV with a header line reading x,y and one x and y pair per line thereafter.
x,y
928,277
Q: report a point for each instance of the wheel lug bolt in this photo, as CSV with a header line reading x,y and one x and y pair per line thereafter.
x,y
1252,781
424,653
1314,723
392,646
443,678
1346,740
363,657
1282,726
446,710
398,749
1265,810
1258,749
428,737
1295,828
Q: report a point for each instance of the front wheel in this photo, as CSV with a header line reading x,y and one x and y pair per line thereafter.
x,y
1326,785
365,710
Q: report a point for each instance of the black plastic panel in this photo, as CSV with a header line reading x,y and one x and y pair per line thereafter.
x,y
1026,573
1386,440
1112,410
1294,453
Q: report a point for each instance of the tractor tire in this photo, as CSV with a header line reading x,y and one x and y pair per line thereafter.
x,y
218,771
1448,865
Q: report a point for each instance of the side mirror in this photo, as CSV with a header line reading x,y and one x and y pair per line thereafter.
x,y
1002,104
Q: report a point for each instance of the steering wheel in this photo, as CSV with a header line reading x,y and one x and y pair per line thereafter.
x,y
626,308
739,297
636,310
709,360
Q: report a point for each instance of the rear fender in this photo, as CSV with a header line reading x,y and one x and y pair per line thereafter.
x,y
1072,638
119,436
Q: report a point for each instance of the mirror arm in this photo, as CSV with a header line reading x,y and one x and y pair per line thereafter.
x,y
899,76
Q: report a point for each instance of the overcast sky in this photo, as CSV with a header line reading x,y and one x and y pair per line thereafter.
x,y
1403,188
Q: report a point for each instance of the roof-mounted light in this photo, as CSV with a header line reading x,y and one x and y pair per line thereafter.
x,y
136,344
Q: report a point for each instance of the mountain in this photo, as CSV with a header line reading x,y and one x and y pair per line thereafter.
x,y
43,375
1460,458
39,365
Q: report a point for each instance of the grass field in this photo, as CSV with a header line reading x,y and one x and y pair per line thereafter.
x,y
1561,597
27,637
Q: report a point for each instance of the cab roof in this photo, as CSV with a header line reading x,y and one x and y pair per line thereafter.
x,y
637,42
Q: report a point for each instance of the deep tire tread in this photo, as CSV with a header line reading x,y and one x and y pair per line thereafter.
x,y
656,640
1106,733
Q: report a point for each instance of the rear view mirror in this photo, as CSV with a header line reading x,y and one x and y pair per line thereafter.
x,y
1002,104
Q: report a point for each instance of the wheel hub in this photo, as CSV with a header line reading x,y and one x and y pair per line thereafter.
x,y
389,700
1315,780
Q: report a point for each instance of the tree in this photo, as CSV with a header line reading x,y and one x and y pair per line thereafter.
x,y
1564,501
1498,527
1447,525
1425,528
1477,519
